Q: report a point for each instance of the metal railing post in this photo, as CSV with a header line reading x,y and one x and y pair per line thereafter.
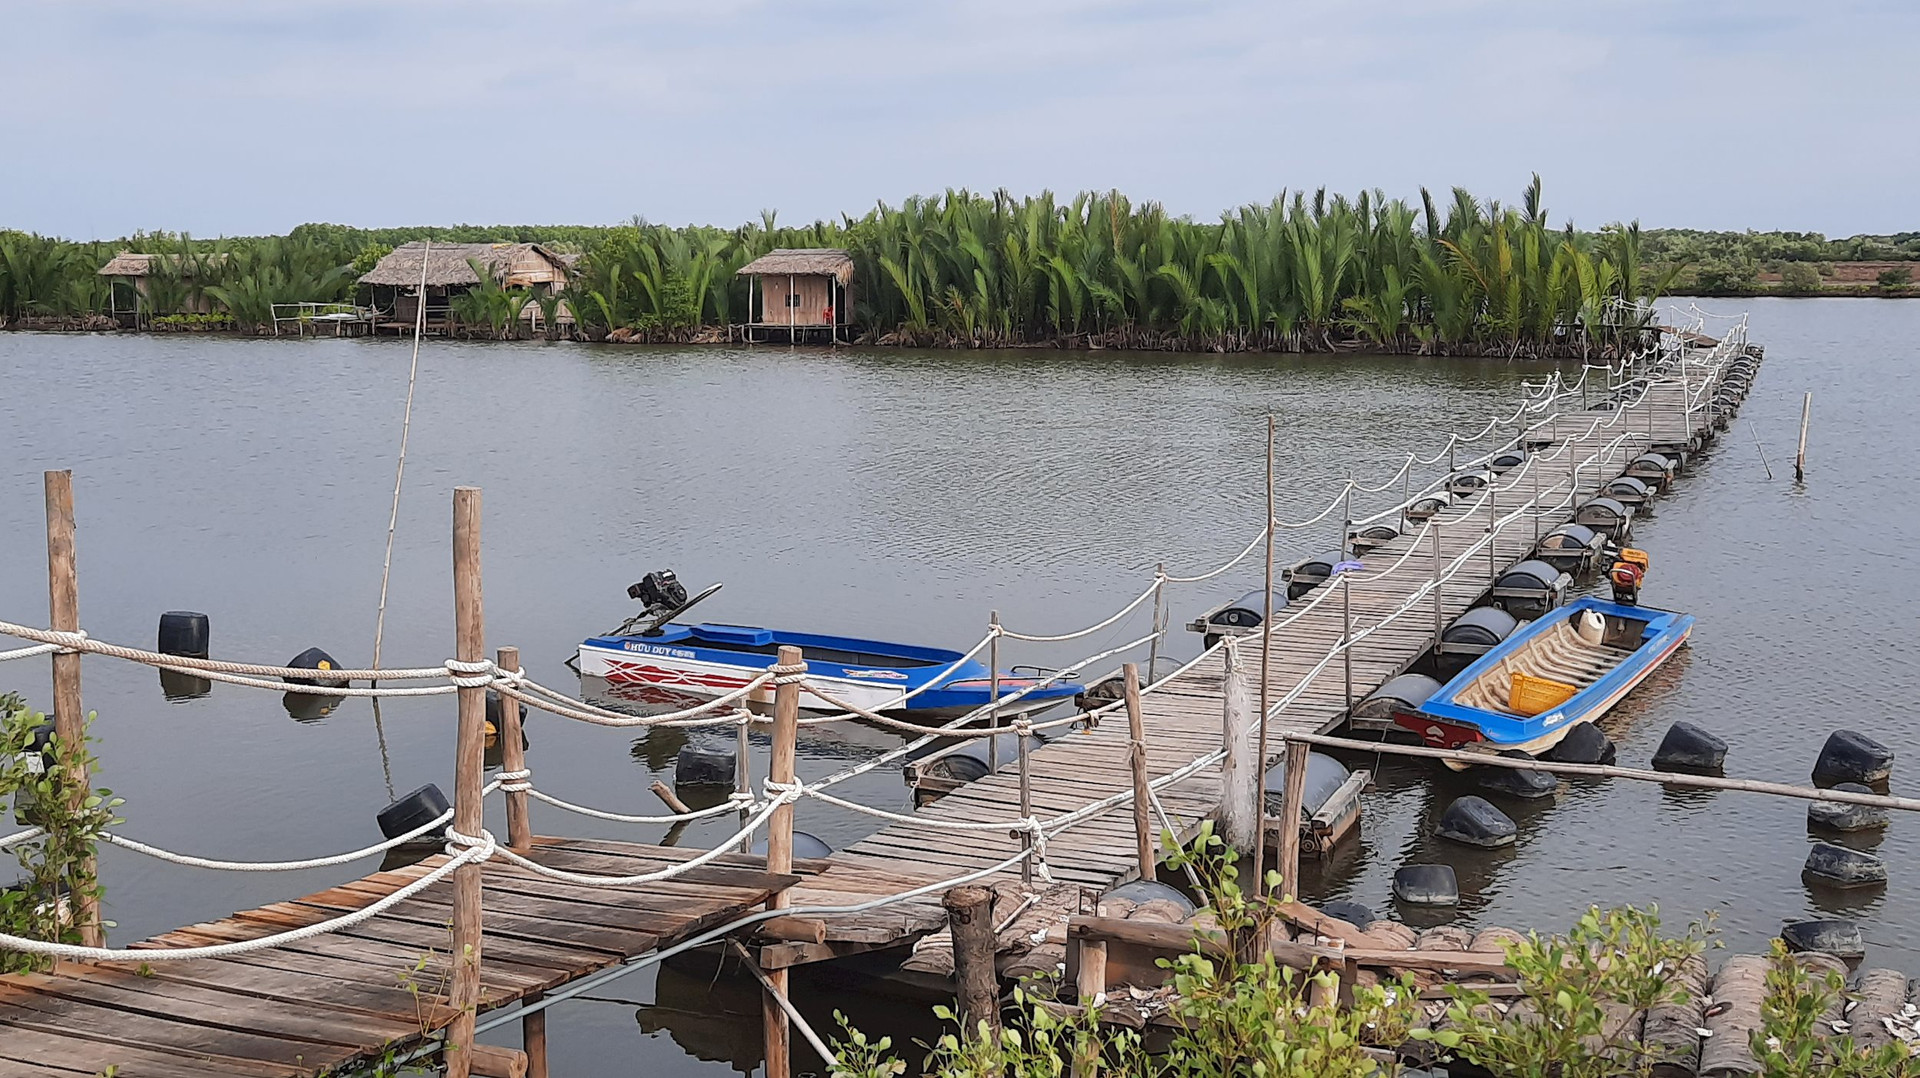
x,y
1438,614
993,691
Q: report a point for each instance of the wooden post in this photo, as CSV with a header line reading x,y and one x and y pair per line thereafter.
x,y
1800,458
786,728
1159,619
1137,756
469,764
1239,771
1293,792
533,1040
63,615
977,987
513,757
1090,984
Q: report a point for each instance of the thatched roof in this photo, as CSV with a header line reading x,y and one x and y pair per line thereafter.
x,y
802,262
447,264
128,264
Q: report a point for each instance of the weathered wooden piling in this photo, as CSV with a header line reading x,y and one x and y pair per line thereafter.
x,y
463,986
69,716
977,987
786,726
1137,760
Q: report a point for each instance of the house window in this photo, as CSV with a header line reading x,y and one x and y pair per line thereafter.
x,y
793,299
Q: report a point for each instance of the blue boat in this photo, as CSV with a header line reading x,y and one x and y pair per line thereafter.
x,y
709,660
713,660
1568,667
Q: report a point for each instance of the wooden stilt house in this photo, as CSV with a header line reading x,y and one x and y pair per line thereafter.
x,y
801,294
450,270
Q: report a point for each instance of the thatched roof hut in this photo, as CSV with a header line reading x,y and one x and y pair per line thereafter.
x,y
515,265
802,292
802,262
129,264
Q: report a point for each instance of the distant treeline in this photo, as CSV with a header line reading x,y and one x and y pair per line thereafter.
x,y
1311,272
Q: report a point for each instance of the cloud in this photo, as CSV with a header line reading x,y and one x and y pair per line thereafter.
x,y
227,117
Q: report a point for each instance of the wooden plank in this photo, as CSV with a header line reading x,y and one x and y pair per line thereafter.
x,y
69,1055
217,1007
111,1025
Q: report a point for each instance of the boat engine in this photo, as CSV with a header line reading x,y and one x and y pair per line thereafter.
x,y
1627,575
660,590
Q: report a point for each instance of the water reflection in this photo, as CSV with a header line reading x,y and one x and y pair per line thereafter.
x,y
178,687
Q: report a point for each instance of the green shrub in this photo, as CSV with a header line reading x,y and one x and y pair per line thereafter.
x,y
1799,277
1895,277
58,863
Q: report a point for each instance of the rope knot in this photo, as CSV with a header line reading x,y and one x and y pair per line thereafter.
x,y
515,782
783,792
1037,835
475,848
788,674
471,675
78,635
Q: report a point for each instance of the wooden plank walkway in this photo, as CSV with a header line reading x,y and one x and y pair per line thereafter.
x,y
351,996
1183,713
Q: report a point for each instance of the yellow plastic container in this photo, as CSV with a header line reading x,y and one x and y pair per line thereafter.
x,y
1531,695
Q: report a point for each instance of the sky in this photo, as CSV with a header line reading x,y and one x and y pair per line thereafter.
x,y
241,118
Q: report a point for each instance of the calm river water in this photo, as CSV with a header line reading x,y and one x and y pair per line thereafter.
x,y
900,494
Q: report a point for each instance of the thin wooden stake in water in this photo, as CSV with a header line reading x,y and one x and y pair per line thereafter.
x,y
1137,756
1266,662
63,615
1759,448
400,467
469,764
786,728
1800,458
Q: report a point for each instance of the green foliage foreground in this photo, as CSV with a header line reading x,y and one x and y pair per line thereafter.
x,y
1257,1019
48,791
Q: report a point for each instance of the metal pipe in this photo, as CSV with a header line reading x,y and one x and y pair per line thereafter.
x,y
993,691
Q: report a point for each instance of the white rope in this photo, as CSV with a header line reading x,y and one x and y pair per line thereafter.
x,y
516,782
80,641
1089,630
28,653
22,836
619,817
590,880
193,861
76,953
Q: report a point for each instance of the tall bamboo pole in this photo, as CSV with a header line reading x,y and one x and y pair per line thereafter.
x,y
63,615
463,989
1266,662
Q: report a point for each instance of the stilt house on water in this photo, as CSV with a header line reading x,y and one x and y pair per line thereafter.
x,y
801,294
130,298
451,272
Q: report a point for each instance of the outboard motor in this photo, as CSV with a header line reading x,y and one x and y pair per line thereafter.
x,y
1627,575
660,590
